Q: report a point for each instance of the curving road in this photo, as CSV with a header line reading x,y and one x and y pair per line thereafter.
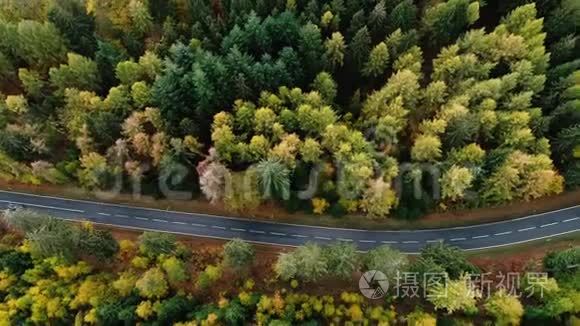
x,y
490,235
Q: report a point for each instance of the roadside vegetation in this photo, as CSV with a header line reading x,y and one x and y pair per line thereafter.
x,y
54,272
241,102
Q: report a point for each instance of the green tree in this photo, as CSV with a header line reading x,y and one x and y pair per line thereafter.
x,y
274,179
360,47
403,16
154,244
39,44
152,284
342,259
378,61
444,257
387,260
129,72
79,72
326,86
426,148
445,21
238,254
334,53
175,270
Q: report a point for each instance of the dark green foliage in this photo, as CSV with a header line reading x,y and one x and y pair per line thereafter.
x,y
71,19
563,263
461,131
403,16
173,309
360,46
15,262
107,58
442,257
446,21
120,312
154,244
97,243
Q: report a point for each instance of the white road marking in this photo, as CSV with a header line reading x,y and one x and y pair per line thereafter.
x,y
434,240
43,206
527,229
457,239
367,241
571,219
411,241
94,202
257,231
176,222
218,227
121,215
343,239
198,225
322,238
300,236
104,214
503,233
480,236
238,230
159,220
390,241
142,218
549,224
278,233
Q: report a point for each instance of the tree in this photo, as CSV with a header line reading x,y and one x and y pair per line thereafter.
x,y
326,86
387,260
175,270
306,262
455,182
360,46
334,53
154,244
129,72
403,16
426,148
378,199
445,21
342,259
238,254
274,179
377,62
455,295
441,256
152,284
95,172
505,308
419,318
32,82
39,44
97,243
561,263
212,181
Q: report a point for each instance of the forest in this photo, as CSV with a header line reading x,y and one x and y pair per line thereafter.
x,y
57,273
264,94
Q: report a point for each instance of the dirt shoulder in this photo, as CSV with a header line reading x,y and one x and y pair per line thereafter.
x,y
273,213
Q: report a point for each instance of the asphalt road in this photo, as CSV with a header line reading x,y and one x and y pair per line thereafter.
x,y
490,235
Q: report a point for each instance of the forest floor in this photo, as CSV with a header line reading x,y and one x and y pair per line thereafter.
x,y
270,212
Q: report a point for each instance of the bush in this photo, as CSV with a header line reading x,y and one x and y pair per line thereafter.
x,y
337,210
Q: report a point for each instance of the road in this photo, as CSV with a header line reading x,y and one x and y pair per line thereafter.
x,y
483,236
